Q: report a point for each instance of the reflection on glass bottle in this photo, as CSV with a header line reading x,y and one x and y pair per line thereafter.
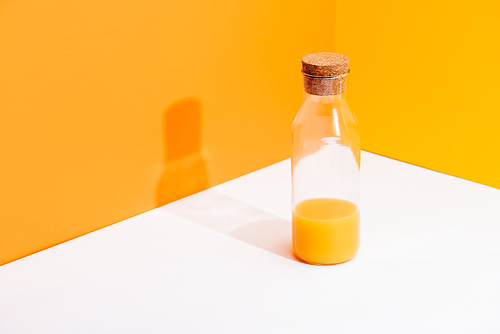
x,y
185,170
325,165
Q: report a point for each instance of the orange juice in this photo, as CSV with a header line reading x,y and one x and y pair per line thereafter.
x,y
325,230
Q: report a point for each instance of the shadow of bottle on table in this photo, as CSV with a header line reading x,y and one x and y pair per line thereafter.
x,y
273,235
185,171
236,219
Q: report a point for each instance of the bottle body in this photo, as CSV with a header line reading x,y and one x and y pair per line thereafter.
x,y
325,180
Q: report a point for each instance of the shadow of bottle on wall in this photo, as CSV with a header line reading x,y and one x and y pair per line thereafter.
x,y
185,171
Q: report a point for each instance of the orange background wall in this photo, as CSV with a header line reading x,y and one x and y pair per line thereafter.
x,y
111,108
425,81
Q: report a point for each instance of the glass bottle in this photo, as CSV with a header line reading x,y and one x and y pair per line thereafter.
x,y
325,165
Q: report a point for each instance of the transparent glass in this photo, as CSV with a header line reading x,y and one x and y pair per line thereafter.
x,y
325,180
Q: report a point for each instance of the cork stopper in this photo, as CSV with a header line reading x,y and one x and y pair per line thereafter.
x,y
325,73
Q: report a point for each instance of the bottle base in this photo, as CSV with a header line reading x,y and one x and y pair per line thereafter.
x,y
298,258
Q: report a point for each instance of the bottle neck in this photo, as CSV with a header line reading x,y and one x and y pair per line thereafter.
x,y
326,99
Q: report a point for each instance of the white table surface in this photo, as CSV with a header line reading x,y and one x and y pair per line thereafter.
x,y
220,262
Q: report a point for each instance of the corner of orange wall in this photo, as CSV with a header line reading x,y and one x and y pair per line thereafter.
x,y
424,82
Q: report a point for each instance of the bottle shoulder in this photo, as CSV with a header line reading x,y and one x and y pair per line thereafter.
x,y
317,109
325,122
